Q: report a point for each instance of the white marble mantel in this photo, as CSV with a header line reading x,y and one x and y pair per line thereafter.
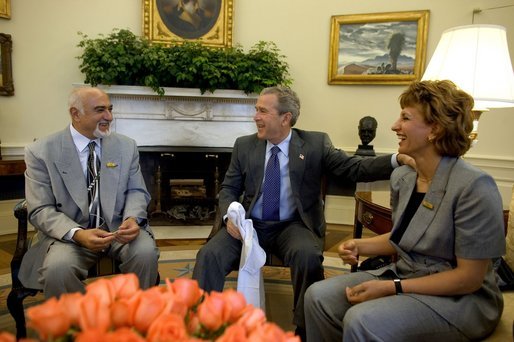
x,y
182,117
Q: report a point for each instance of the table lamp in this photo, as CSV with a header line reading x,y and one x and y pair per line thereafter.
x,y
476,58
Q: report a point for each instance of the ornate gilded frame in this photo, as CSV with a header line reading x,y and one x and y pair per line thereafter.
x,y
6,82
359,44
167,21
5,9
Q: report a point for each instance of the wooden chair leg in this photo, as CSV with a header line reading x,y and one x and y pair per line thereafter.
x,y
15,306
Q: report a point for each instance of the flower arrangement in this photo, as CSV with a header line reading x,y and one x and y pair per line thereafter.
x,y
116,309
124,58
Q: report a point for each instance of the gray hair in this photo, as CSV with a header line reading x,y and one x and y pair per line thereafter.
x,y
288,101
75,100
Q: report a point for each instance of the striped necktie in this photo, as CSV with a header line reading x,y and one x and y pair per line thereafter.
x,y
92,179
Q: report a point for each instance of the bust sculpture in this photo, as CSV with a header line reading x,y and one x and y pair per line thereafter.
x,y
367,131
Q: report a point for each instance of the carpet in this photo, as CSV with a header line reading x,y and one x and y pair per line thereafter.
x,y
179,261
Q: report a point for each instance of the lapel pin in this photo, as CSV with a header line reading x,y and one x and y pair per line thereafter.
x,y
302,157
111,164
428,205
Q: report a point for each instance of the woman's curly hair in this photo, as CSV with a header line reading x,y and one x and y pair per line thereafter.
x,y
442,103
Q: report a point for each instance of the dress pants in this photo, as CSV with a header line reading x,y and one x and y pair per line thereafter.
x,y
66,264
299,248
330,317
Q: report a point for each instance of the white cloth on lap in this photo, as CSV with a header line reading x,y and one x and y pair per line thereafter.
x,y
249,281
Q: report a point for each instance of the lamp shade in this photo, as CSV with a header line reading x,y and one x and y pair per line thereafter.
x,y
476,58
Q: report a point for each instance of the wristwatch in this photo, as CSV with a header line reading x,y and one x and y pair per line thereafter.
x,y
398,286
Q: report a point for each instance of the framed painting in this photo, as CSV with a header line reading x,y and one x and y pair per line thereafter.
x,y
208,22
5,9
6,83
378,48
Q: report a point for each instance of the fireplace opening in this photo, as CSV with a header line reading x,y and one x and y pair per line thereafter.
x,y
184,182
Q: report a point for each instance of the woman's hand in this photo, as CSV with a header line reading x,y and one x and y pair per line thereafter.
x,y
368,290
348,252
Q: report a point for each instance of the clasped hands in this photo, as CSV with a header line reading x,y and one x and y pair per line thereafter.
x,y
368,290
97,239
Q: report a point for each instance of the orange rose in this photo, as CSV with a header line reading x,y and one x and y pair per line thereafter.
x,y
70,303
103,289
193,324
174,304
234,333
49,319
267,332
213,312
94,313
168,327
7,337
124,334
291,337
187,290
91,335
251,318
237,302
151,305
125,285
123,310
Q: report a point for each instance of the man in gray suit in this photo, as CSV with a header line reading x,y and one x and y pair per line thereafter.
x,y
297,234
71,238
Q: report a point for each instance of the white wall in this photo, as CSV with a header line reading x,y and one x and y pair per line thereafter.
x,y
44,64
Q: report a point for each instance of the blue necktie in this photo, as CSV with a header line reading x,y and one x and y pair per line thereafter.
x,y
271,188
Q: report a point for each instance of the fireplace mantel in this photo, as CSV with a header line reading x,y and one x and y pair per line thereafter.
x,y
182,117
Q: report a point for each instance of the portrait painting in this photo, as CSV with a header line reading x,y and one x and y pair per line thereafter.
x,y
6,82
380,48
174,21
5,9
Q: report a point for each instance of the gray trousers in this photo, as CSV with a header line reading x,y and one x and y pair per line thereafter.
x,y
330,317
292,241
66,264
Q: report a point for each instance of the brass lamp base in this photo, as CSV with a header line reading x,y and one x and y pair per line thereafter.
x,y
473,136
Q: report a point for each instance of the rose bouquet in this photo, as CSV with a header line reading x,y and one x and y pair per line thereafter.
x,y
116,309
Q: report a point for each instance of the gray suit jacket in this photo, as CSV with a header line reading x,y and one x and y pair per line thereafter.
x,y
311,155
461,216
55,189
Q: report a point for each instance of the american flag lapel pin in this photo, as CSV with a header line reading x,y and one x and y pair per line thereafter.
x,y
302,157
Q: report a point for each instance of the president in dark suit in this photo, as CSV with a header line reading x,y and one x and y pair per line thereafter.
x,y
79,219
296,233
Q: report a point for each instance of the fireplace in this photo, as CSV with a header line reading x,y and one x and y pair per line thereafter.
x,y
183,182
185,140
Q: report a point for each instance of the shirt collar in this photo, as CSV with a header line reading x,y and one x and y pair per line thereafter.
x,y
283,145
81,141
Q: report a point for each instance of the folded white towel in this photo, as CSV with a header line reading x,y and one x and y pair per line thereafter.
x,y
249,281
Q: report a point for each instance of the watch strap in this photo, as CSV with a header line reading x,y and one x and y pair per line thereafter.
x,y
398,286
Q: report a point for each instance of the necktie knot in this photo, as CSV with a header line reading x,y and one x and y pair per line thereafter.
x,y
274,150
91,146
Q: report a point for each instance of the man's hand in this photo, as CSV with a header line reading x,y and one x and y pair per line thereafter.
x,y
404,159
348,252
233,230
128,231
95,239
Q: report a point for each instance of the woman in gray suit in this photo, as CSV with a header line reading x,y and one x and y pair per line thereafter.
x,y
447,228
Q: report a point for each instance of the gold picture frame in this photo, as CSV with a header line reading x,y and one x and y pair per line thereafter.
x,y
208,22
361,46
5,9
6,82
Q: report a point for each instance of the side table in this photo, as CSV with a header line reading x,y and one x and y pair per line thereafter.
x,y
372,212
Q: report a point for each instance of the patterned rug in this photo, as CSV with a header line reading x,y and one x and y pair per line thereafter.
x,y
179,261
